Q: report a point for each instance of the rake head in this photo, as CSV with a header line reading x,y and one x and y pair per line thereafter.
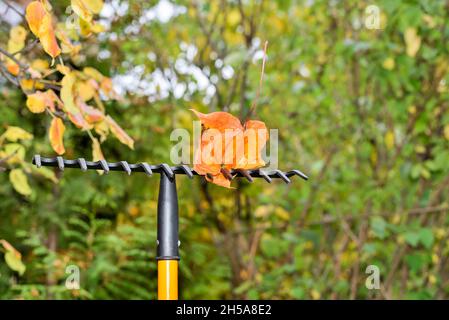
x,y
169,171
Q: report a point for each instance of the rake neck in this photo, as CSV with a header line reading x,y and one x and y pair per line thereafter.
x,y
167,239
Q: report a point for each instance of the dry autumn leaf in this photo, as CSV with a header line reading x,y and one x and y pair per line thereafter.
x,y
226,144
40,23
90,114
56,134
119,133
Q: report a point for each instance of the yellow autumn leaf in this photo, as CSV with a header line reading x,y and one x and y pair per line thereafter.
x,y
412,41
66,44
388,64
36,102
282,213
389,140
102,129
315,294
84,90
412,109
233,17
40,65
19,181
93,73
97,154
17,37
30,84
67,89
81,9
16,42
94,6
63,69
16,133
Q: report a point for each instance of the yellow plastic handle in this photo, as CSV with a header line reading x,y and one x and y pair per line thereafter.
x,y
167,279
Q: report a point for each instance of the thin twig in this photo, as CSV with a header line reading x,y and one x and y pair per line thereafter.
x,y
259,89
11,56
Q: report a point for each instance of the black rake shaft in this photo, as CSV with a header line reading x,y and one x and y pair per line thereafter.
x,y
149,169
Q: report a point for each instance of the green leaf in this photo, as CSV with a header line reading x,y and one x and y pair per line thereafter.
x,y
379,227
412,238
416,261
14,261
298,293
426,237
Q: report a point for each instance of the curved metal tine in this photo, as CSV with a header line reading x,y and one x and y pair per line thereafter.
x,y
126,167
37,160
104,166
60,161
264,175
187,170
299,173
168,171
283,176
246,175
227,173
146,167
82,164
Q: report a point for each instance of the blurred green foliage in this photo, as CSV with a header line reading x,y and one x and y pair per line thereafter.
x,y
363,111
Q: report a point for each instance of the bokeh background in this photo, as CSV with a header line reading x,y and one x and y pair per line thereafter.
x,y
361,108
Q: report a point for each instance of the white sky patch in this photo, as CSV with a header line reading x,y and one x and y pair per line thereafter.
x,y
9,15
258,55
304,71
104,54
163,12
227,72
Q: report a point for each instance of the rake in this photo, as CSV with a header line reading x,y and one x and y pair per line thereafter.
x,y
167,212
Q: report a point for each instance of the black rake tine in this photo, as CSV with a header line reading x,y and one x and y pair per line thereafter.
x,y
265,176
82,164
104,165
164,168
37,160
298,173
226,173
283,176
146,167
187,171
126,167
246,175
168,171
60,161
